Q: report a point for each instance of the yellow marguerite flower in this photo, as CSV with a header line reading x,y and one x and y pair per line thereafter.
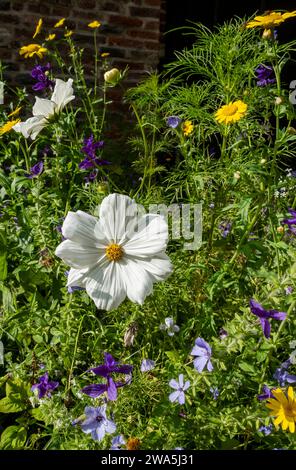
x,y
283,408
60,23
231,112
105,54
187,127
94,24
68,33
8,126
33,49
270,20
50,37
15,112
38,27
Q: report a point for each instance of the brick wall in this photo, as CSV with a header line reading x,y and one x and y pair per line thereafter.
x,y
131,31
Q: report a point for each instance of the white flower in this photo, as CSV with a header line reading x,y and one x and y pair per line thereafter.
x,y
117,255
44,109
169,326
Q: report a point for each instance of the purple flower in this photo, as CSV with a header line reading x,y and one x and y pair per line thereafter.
x,y
266,429
96,423
291,220
222,333
106,370
91,176
40,73
282,376
215,392
179,388
147,364
225,228
169,326
173,121
117,442
267,393
203,352
265,75
264,315
288,290
35,170
89,149
44,386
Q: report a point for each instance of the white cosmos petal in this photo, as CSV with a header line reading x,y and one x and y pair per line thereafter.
x,y
117,214
76,277
159,267
78,256
151,238
102,233
138,281
79,227
106,286
43,107
31,127
62,93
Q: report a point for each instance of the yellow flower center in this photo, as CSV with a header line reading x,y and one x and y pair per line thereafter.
x,y
114,252
230,110
290,411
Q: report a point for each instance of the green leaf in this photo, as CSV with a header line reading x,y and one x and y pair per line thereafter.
x,y
246,367
8,406
13,437
3,254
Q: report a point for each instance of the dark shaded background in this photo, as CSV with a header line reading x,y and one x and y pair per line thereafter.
x,y
214,12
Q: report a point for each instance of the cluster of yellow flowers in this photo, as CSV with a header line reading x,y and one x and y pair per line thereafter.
x,y
35,49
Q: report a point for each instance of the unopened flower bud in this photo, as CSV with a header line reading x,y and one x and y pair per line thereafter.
x,y
112,76
280,229
291,130
236,175
267,34
262,161
279,100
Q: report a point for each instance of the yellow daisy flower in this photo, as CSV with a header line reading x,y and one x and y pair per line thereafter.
x,y
94,24
270,20
187,127
105,54
31,50
38,28
15,112
68,33
50,37
231,112
60,23
283,408
8,126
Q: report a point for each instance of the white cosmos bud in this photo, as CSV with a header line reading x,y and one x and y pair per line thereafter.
x,y
112,76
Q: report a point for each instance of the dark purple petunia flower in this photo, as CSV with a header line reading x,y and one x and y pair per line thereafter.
x,y
44,386
40,73
266,393
35,170
265,75
282,376
264,315
173,121
106,370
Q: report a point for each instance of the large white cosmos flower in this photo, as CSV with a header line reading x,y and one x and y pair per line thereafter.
x,y
117,255
44,109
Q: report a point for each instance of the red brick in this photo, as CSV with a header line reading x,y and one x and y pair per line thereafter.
x,y
124,42
40,8
152,25
110,6
153,2
144,12
59,12
10,19
17,6
125,20
87,4
137,33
